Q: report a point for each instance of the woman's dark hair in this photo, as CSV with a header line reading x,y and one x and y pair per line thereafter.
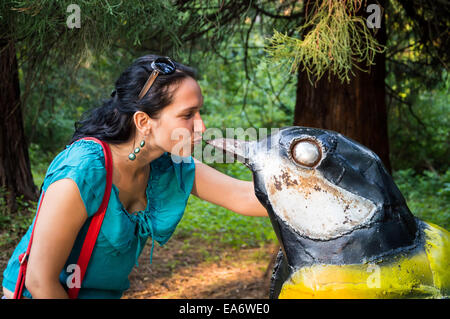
x,y
113,121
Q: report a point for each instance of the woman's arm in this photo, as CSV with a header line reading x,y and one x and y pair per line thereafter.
x,y
61,217
223,190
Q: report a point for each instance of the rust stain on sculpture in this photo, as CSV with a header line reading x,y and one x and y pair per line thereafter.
x,y
304,184
309,203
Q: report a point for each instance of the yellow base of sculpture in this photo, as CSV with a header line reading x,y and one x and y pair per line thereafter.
x,y
420,273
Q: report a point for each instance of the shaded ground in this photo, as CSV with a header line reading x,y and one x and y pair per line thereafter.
x,y
183,270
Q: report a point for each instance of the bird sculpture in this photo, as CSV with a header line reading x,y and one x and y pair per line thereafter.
x,y
343,226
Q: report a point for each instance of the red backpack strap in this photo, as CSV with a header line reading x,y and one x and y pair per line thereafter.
x,y
91,236
97,219
23,259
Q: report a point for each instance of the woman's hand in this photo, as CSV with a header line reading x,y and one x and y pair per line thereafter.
x,y
223,190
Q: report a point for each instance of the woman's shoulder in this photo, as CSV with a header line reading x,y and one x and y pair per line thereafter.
x,y
80,154
83,162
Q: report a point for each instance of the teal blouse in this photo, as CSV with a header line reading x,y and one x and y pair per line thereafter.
x,y
122,235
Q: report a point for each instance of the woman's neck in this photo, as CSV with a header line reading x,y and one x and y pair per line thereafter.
x,y
133,168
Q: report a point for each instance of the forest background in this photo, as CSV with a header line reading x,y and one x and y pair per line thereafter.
x,y
63,72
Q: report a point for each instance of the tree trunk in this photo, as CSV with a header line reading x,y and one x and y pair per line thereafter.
x,y
356,110
15,172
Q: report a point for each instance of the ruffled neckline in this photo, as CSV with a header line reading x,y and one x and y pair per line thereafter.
x,y
142,218
147,208
157,166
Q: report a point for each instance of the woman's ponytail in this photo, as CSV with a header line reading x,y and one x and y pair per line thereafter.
x,y
104,122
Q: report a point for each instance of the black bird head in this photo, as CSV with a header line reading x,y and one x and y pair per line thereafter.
x,y
329,198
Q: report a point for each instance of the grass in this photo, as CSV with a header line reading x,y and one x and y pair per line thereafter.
x,y
14,226
427,195
215,224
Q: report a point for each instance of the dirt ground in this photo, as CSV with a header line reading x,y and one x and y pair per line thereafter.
x,y
184,270
202,271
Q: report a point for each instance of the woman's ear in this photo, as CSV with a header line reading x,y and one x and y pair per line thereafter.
x,y
143,122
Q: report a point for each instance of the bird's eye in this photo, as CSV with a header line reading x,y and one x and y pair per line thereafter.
x,y
306,153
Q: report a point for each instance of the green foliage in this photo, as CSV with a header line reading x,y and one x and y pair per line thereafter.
x,y
417,40
14,225
41,27
334,38
40,161
63,96
427,195
419,122
417,86
253,94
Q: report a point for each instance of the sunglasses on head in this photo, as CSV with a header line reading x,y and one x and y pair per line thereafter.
x,y
164,66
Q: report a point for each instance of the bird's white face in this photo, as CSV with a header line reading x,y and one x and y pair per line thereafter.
x,y
304,199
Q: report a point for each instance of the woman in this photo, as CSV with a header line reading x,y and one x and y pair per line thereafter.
x,y
153,99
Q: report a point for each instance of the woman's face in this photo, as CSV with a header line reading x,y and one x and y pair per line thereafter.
x,y
180,125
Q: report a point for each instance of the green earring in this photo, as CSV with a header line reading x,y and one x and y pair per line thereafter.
x,y
132,156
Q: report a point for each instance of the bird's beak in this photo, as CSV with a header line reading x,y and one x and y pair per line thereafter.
x,y
239,149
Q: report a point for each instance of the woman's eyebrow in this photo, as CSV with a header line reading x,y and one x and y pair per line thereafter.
x,y
191,108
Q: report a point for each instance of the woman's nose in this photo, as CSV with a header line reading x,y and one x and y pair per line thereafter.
x,y
199,125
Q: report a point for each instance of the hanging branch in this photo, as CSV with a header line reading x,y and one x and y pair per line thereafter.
x,y
335,39
281,105
247,38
